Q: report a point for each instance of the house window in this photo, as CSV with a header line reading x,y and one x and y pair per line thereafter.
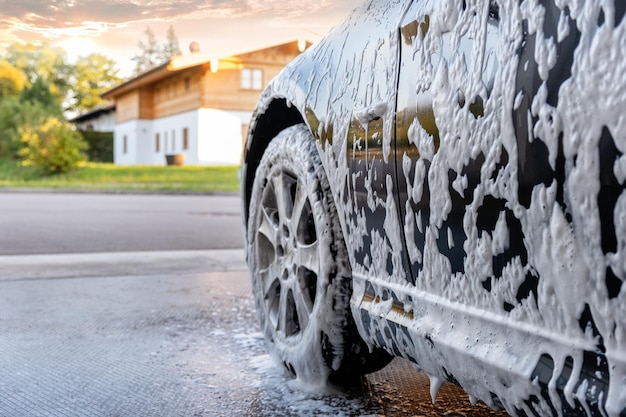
x,y
251,79
125,144
173,141
165,142
185,139
157,143
187,83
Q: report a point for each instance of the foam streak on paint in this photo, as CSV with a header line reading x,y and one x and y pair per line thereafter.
x,y
561,224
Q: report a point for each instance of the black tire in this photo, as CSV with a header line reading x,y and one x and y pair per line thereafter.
x,y
300,270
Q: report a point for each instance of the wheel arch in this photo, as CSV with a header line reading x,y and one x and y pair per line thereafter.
x,y
278,116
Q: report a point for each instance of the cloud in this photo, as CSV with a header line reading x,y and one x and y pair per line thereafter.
x,y
60,13
55,14
115,26
55,19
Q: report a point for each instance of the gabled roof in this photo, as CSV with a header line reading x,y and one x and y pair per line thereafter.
x,y
183,62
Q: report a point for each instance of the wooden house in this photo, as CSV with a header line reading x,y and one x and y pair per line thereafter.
x,y
196,106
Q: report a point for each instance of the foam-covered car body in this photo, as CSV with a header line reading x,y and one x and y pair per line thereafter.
x,y
475,153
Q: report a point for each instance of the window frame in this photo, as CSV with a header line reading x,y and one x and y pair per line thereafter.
x,y
251,79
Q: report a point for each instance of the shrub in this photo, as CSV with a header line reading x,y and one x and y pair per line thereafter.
x,y
14,114
11,80
54,146
10,118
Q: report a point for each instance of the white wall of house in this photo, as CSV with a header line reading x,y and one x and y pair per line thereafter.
x,y
219,138
244,116
130,141
104,122
213,138
170,131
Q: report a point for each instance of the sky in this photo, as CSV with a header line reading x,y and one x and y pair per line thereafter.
x,y
115,27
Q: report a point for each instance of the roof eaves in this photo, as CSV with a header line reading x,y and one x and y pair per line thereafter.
x,y
93,112
180,63
140,80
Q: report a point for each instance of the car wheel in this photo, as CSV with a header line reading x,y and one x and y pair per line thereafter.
x,y
300,271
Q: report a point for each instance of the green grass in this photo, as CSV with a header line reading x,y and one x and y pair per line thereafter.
x,y
109,177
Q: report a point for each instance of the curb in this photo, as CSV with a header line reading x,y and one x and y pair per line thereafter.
x,y
58,266
25,190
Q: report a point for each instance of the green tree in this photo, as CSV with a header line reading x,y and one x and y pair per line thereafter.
x,y
149,53
171,47
32,127
40,92
93,75
42,62
54,146
11,80
152,53
11,116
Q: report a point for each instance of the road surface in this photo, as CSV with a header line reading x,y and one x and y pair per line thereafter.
x,y
48,223
163,328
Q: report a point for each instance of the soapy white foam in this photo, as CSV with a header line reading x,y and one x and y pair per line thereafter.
x,y
566,255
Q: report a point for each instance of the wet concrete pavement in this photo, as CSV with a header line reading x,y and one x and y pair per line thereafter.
x,y
133,345
165,334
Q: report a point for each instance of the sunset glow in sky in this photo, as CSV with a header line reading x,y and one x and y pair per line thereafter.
x,y
115,27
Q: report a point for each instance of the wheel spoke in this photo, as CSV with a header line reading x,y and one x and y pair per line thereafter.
x,y
281,201
271,294
269,278
308,257
304,308
269,203
267,241
267,228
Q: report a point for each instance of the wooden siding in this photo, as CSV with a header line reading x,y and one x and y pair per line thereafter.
x,y
222,90
199,87
177,94
146,103
127,107
135,105
279,55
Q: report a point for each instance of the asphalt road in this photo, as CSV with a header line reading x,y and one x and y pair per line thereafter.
x,y
52,223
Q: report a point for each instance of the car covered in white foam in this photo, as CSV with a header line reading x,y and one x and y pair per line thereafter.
x,y
444,181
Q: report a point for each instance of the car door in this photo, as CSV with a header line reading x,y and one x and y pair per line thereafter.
x,y
368,66
447,72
